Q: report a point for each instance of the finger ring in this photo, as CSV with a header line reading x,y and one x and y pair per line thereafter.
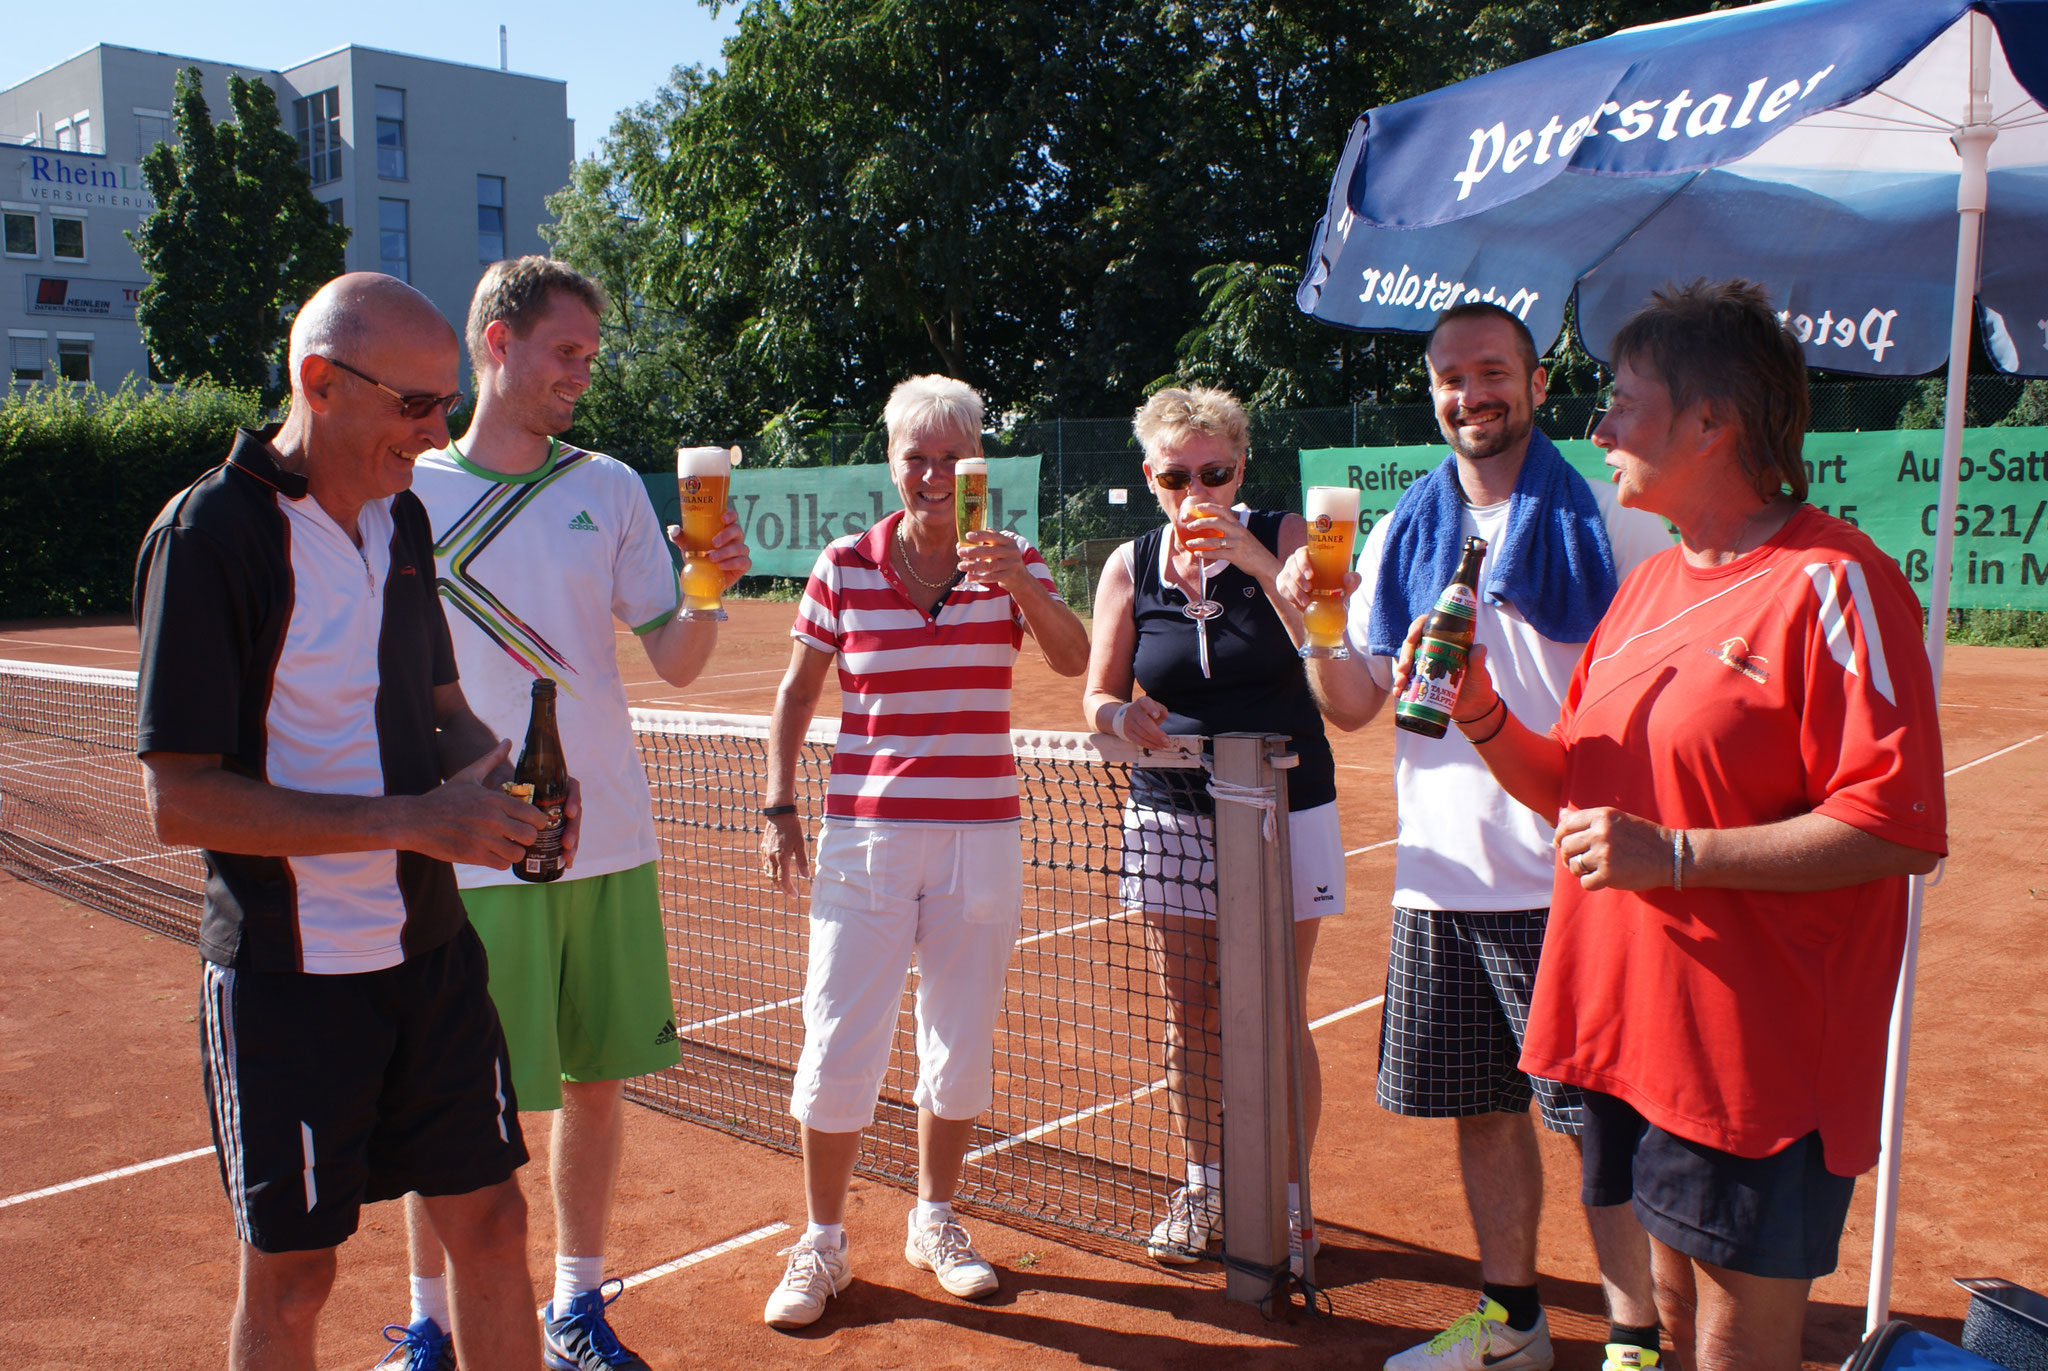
x,y
1576,869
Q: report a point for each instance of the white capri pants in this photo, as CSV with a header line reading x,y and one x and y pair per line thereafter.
x,y
1169,862
950,898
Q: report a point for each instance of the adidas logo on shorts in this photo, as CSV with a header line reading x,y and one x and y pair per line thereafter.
x,y
667,1034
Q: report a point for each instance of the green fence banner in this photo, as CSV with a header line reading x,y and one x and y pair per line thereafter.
x,y
789,514
1888,483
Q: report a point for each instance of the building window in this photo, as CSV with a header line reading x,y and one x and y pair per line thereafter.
x,y
74,360
67,141
394,239
21,235
26,358
67,238
153,126
334,212
319,130
490,218
390,133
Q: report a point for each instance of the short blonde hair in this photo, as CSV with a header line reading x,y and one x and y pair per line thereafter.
x,y
931,404
519,290
1173,414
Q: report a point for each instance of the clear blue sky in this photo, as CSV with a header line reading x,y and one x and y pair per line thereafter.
x,y
613,55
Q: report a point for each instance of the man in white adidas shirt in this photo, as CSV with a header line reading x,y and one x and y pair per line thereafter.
x,y
1473,869
539,546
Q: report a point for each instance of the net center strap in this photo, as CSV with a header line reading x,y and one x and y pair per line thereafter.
x,y
1264,798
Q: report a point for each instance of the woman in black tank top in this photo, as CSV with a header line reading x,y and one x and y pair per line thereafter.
x,y
1189,614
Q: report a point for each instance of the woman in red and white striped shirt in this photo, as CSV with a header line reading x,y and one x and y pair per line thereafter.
x,y
920,853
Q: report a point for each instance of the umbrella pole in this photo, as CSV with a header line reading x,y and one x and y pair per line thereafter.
x,y
1973,141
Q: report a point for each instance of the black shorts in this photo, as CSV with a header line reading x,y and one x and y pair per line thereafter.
x,y
331,1092
1779,1216
1457,1005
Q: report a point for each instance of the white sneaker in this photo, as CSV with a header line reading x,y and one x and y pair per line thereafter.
x,y
944,1250
1481,1341
1296,1244
813,1276
1194,1219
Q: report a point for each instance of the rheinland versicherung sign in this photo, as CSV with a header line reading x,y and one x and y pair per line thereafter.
x,y
789,514
1887,483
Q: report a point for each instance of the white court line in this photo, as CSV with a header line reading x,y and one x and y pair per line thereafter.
x,y
1081,927
75,647
1358,1008
713,676
686,696
113,1175
737,1014
1990,755
1372,847
123,861
703,1254
1005,1144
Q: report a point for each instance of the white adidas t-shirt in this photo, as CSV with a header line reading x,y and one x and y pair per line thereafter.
x,y
532,570
1463,843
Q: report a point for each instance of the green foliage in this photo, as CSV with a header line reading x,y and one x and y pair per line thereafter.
x,y
235,244
82,475
1999,627
2030,410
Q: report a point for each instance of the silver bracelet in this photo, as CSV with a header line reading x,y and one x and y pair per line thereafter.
x,y
1678,859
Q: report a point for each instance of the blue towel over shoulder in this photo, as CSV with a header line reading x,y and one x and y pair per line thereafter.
x,y
1555,564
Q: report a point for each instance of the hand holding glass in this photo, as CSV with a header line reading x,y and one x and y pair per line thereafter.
x,y
702,477
970,502
1332,514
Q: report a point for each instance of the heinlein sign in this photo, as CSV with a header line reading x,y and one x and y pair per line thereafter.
x,y
83,181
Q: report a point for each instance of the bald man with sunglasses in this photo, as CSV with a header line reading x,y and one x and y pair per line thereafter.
x,y
299,718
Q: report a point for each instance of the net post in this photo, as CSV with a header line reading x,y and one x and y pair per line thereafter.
x,y
1252,946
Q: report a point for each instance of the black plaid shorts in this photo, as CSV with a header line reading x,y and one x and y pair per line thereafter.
x,y
1457,1005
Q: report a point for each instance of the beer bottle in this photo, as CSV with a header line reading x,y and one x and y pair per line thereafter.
x,y
542,779
1432,689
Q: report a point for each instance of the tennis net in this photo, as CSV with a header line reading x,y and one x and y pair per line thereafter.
x,y
1081,1133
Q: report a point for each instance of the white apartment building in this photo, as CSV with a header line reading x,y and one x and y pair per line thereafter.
x,y
438,168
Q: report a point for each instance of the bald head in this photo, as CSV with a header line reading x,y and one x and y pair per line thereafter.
x,y
361,314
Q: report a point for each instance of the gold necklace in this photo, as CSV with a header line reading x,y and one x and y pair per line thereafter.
x,y
910,567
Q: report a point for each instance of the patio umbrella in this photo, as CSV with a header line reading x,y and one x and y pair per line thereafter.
x,y
1832,150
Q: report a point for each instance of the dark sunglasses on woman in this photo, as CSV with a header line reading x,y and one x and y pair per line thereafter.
x,y
1212,477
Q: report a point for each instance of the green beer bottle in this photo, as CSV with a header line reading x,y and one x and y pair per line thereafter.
x,y
542,780
1432,689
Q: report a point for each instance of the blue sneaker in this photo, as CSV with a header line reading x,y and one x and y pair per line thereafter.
x,y
420,1347
581,1340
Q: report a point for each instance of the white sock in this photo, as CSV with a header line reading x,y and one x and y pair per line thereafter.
x,y
1294,1197
1205,1176
931,1212
574,1276
823,1235
430,1301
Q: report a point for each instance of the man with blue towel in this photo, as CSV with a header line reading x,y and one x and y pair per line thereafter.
x,y
1472,867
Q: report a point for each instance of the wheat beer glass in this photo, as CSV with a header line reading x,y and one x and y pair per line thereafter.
x,y
1332,514
970,502
702,476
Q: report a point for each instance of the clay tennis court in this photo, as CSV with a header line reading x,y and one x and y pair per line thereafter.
x,y
99,1059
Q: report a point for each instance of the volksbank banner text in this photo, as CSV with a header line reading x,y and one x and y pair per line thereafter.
x,y
1887,483
789,514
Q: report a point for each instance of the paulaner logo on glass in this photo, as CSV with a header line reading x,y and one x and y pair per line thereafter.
x,y
1717,113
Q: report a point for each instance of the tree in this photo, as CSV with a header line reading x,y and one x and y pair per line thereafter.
x,y
235,244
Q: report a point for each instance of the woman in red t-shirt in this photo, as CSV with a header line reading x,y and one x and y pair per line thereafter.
x,y
1747,768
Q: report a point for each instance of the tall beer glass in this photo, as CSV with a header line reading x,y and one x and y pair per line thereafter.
x,y
970,502
702,476
1332,514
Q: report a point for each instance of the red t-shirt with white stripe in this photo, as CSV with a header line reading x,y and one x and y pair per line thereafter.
x,y
1789,681
924,728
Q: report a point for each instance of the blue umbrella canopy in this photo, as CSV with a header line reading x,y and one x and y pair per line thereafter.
x,y
1806,144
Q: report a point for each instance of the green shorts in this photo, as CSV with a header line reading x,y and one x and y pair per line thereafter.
x,y
579,972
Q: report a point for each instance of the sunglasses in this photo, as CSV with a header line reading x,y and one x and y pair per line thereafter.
x,y
1175,479
1594,420
411,406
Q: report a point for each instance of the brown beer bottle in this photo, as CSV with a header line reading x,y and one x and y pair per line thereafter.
x,y
1432,689
542,767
